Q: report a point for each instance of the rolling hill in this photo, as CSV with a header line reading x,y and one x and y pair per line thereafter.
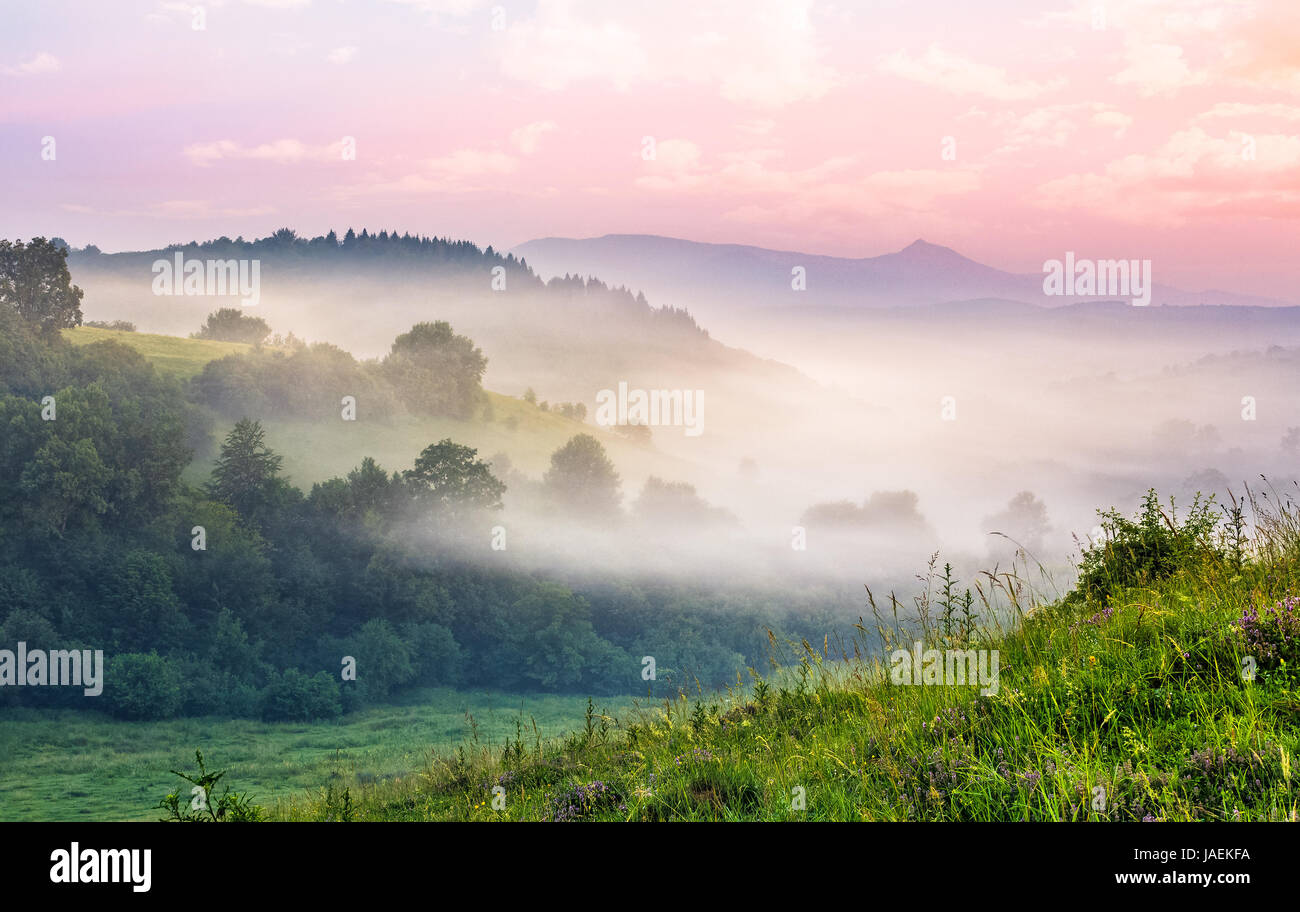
x,y
314,451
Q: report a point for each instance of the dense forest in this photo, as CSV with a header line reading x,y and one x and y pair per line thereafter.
x,y
459,267
246,596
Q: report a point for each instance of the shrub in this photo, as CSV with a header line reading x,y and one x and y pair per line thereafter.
x,y
435,654
118,325
384,662
210,691
141,686
297,697
1150,547
229,324
204,806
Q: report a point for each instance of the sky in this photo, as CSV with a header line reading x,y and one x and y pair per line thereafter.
x,y
1013,132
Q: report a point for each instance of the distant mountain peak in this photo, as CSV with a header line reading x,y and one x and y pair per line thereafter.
x,y
921,247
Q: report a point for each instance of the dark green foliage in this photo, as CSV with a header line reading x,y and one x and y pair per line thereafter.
x,y
298,697
142,686
140,609
450,480
429,370
97,463
242,596
1150,547
30,366
34,281
247,473
547,642
435,656
203,805
383,662
307,382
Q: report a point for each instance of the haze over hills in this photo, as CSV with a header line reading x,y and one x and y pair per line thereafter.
x,y
565,339
360,293
1044,394
671,270
861,322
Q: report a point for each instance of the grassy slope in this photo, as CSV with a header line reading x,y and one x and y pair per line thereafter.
x,y
172,356
1148,704
314,451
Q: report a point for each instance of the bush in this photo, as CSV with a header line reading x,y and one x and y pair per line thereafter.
x,y
118,325
1150,547
435,654
383,662
209,691
296,697
229,324
143,686
436,371
202,804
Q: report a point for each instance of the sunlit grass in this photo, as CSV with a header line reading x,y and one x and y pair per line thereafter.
x,y
172,356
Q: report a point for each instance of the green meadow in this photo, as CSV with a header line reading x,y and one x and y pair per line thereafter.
x,y
171,356
76,765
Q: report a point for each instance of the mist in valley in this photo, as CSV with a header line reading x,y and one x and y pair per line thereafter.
x,y
836,446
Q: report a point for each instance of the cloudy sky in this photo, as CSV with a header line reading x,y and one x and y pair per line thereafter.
x,y
1160,129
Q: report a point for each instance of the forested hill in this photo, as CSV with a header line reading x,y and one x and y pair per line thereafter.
x,y
454,265
567,338
242,594
384,273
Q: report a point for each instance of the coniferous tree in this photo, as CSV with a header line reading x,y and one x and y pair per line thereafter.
x,y
247,471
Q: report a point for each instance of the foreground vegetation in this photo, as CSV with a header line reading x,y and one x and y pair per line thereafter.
x,y
1163,687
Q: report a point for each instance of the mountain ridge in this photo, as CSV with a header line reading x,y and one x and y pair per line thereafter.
x,y
922,272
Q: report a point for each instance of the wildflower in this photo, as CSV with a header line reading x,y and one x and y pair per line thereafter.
x,y
584,800
1096,619
1273,634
